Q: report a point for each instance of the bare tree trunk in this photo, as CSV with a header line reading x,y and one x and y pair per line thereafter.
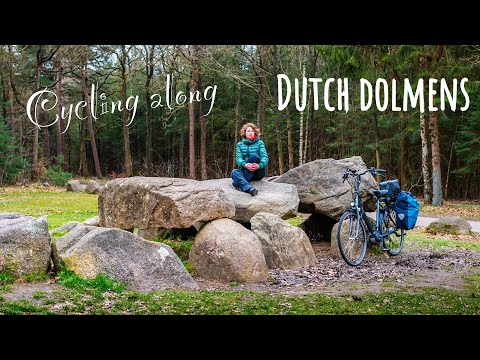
x,y
260,105
277,116
93,142
34,166
403,152
437,198
83,146
149,68
279,138
203,129
61,151
40,60
377,143
466,188
309,135
4,93
262,85
46,143
182,149
191,112
10,91
450,159
126,135
291,164
237,124
12,96
301,158
425,171
306,144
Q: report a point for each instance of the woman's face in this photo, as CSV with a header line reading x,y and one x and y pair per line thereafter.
x,y
249,133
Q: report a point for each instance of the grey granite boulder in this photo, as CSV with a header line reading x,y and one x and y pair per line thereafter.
x,y
24,244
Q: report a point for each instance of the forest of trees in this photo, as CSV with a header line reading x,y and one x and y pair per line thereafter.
x,y
434,154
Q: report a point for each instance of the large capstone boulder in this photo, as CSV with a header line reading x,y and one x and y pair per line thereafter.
x,y
226,251
24,244
322,190
125,257
156,202
274,198
284,246
449,225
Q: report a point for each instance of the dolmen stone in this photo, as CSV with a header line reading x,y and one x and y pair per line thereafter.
x,y
321,188
24,244
159,202
226,251
275,198
140,264
284,246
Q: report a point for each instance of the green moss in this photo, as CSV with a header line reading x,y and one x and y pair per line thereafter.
x,y
9,265
295,221
189,266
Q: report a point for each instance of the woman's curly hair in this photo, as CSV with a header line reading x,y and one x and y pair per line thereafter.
x,y
253,126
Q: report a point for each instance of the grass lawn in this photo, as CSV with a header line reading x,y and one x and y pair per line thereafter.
x,y
57,204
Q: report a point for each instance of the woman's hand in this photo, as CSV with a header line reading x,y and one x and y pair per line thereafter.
x,y
252,166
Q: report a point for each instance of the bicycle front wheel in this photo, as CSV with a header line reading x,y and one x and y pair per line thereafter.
x,y
393,242
352,238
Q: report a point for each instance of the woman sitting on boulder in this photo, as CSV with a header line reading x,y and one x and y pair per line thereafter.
x,y
251,157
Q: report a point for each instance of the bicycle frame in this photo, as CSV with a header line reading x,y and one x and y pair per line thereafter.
x,y
357,207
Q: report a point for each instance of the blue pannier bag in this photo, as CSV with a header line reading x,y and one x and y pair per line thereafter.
x,y
407,208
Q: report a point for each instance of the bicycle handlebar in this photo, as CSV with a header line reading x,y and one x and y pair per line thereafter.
x,y
372,170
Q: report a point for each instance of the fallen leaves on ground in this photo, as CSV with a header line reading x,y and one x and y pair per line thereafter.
x,y
467,211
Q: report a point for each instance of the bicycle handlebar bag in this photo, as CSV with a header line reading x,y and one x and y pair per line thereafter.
x,y
392,186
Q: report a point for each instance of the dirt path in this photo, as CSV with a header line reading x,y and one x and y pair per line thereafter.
x,y
411,269
31,292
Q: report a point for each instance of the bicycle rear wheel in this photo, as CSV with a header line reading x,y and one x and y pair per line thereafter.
x,y
394,242
352,238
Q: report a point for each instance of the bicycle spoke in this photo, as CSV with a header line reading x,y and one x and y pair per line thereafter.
x,y
393,242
